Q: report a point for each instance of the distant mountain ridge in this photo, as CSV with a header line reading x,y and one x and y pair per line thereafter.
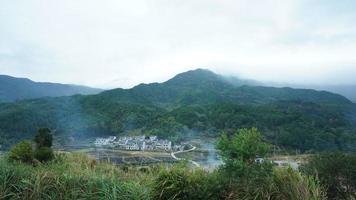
x,y
13,89
203,86
348,91
194,102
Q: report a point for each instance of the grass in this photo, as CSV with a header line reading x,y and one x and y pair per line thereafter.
x,y
72,176
77,176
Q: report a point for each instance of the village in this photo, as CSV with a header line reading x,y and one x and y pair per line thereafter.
x,y
138,143
153,143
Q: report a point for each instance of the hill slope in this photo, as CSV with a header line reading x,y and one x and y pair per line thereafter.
x,y
196,102
349,91
202,86
12,89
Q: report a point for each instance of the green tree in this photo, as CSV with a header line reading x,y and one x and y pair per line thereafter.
x,y
245,178
21,152
240,151
44,138
166,127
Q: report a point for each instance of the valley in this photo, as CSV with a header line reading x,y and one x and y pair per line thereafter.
x,y
178,100
197,103
195,130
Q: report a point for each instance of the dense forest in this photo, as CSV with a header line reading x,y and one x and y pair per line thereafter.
x,y
198,103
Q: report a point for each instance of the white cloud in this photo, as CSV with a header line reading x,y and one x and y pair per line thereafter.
x,y
122,43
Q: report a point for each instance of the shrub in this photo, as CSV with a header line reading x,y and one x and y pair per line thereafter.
x,y
291,184
44,154
336,171
21,152
180,182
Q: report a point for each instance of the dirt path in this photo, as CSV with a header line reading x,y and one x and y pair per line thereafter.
x,y
173,154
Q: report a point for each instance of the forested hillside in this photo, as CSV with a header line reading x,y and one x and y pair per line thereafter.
x,y
14,89
197,102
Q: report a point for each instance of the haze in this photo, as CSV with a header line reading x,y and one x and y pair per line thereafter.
x,y
122,43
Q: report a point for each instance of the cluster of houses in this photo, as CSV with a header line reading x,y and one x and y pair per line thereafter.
x,y
137,143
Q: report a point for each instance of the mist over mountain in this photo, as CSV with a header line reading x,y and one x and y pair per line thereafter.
x,y
13,89
197,101
349,91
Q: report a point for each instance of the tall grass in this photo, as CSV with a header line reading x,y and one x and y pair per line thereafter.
x,y
75,176
284,184
70,177
290,184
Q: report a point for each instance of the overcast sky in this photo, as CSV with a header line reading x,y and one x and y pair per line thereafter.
x,y
113,43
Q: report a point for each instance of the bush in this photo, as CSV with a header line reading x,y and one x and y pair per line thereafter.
x,y
21,152
291,184
182,183
44,154
336,171
239,152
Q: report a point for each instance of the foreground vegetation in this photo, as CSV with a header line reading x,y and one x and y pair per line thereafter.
x,y
337,171
71,176
76,176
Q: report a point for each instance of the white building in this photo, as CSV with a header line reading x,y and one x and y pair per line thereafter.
x,y
148,146
133,146
104,141
164,145
135,143
153,138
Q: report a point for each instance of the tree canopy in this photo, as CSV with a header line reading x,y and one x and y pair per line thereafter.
x,y
44,138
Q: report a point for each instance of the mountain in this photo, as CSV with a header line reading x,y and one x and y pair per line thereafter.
x,y
13,89
197,102
202,86
349,91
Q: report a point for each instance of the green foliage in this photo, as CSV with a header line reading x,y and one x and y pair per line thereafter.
x,y
336,171
181,182
240,151
245,178
44,138
289,184
166,128
69,177
245,146
177,183
44,154
76,176
21,152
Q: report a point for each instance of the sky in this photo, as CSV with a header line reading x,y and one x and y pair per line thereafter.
x,y
114,43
